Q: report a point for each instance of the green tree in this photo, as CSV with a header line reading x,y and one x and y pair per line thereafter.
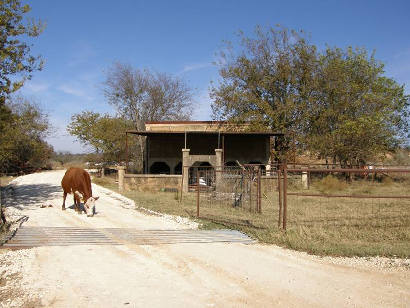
x,y
23,147
16,66
105,134
336,104
268,82
16,62
359,114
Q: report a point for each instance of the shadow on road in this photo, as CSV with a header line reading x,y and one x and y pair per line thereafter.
x,y
28,195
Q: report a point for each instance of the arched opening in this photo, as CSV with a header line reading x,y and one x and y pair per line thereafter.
x,y
159,167
262,166
178,168
231,164
204,170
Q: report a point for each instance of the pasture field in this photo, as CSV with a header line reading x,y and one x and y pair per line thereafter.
x,y
317,225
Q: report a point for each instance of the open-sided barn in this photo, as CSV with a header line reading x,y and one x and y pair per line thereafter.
x,y
172,147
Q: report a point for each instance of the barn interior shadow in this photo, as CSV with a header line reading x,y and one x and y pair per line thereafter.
x,y
28,195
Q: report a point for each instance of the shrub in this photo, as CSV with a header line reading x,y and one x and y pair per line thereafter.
x,y
331,184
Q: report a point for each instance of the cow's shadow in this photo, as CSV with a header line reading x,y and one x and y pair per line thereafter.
x,y
82,209
21,196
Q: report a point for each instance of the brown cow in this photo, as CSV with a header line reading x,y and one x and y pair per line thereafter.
x,y
77,181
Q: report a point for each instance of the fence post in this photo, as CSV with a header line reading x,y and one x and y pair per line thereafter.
x,y
1,207
285,191
121,175
305,179
250,175
197,192
280,197
259,190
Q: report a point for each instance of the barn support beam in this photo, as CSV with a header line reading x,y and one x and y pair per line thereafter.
x,y
185,169
218,167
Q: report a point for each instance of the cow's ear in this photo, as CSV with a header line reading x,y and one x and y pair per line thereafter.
x,y
96,198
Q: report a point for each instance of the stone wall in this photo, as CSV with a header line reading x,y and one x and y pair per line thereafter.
x,y
151,182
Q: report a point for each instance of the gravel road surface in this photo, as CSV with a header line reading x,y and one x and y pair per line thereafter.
x,y
213,274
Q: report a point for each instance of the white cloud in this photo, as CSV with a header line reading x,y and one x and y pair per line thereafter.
x,y
74,90
68,143
61,140
203,110
37,86
194,67
398,67
399,64
402,53
83,52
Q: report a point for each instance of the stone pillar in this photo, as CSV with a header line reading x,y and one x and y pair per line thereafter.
x,y
121,174
185,169
267,168
218,168
305,180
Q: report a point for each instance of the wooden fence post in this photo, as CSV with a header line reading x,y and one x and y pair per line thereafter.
x,y
197,194
280,197
285,196
259,190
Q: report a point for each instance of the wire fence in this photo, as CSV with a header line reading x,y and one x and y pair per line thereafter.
x,y
303,197
354,198
244,195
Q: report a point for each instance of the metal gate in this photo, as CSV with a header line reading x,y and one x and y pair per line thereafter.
x,y
237,188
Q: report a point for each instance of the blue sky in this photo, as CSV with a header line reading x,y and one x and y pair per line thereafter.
x,y
83,38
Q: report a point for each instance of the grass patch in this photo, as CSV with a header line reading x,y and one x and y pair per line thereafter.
x,y
5,180
322,226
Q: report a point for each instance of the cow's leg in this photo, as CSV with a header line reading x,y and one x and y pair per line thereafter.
x,y
65,196
79,210
76,203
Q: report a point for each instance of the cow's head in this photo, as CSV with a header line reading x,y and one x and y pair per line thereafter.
x,y
89,206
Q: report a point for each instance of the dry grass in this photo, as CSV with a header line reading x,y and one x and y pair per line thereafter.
x,y
5,180
323,226
55,165
331,184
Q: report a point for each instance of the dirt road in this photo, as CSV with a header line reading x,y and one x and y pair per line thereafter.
x,y
171,275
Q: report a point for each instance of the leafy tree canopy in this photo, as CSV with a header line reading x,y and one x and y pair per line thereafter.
x,y
359,113
16,62
22,145
336,103
105,134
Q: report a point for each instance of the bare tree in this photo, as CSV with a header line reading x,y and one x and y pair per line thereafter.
x,y
143,95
